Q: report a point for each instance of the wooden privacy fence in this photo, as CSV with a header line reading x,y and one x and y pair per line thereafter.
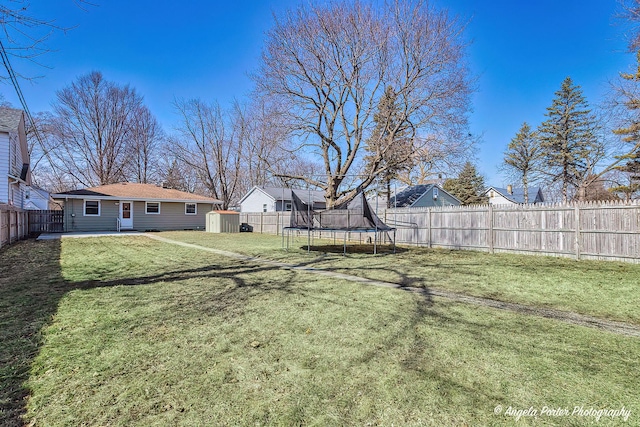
x,y
47,221
13,224
608,231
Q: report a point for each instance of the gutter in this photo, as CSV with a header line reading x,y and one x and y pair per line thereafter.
x,y
16,180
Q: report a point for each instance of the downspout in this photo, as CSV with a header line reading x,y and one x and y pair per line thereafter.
x,y
17,181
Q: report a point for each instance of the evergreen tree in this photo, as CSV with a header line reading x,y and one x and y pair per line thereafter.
x,y
468,187
568,138
523,157
389,147
630,162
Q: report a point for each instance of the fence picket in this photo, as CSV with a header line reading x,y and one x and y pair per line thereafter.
x,y
608,231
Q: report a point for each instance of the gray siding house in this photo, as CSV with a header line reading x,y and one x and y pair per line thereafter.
x,y
424,196
132,206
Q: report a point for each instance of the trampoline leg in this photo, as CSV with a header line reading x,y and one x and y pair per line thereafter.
x,y
344,248
394,241
375,243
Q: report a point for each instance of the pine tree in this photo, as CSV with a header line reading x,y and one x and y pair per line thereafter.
x,y
389,147
523,157
468,187
568,137
631,134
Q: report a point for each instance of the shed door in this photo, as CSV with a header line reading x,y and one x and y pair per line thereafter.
x,y
126,215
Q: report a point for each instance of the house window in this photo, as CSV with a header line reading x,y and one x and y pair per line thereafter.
x,y
264,207
152,208
190,209
287,206
92,208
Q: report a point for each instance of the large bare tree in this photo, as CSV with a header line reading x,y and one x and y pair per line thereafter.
x,y
211,143
330,64
145,140
93,126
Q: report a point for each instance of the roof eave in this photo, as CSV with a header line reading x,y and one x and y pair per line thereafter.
x,y
59,196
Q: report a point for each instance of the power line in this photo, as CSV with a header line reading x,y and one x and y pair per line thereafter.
x,y
25,107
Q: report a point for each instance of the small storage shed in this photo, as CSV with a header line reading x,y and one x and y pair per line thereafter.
x,y
223,222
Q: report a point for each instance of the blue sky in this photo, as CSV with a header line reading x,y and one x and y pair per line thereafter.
x,y
520,52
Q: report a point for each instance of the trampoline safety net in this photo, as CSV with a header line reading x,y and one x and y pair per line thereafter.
x,y
355,215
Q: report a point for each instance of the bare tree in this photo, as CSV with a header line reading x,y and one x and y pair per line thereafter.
x,y
330,65
92,127
144,144
523,158
623,185
441,154
176,174
211,144
630,15
42,144
24,34
263,157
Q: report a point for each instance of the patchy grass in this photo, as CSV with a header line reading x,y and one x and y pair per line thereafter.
x,y
141,333
598,288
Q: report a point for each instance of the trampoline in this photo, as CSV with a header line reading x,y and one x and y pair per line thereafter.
x,y
355,216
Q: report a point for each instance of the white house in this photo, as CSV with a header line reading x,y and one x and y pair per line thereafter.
x,y
15,174
38,199
512,196
278,199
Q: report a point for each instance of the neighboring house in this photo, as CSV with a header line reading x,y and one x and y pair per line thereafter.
x,y
512,196
278,199
131,206
38,199
15,174
424,196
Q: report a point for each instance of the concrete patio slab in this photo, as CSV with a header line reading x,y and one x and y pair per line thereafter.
x,y
78,234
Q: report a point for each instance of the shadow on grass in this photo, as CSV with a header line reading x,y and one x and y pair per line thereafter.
x,y
355,249
32,285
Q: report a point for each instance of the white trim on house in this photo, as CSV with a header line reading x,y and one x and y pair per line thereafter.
x,y
195,208
84,207
146,208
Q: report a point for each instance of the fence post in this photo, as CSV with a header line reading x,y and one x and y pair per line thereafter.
x,y
261,221
428,229
10,227
490,233
577,225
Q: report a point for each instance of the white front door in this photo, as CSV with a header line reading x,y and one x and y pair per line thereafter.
x,y
126,215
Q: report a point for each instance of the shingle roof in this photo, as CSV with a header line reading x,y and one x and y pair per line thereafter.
x,y
130,190
9,119
409,195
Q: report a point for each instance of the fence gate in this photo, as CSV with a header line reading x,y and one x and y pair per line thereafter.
x,y
46,221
